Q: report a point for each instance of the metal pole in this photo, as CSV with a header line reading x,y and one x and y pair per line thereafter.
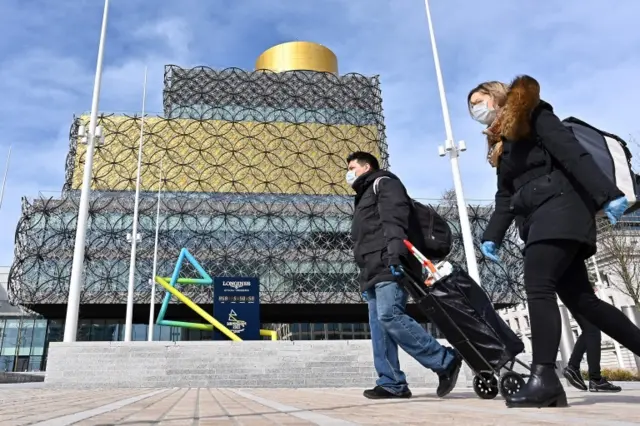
x,y
450,146
632,313
599,283
566,339
77,268
4,179
134,232
152,302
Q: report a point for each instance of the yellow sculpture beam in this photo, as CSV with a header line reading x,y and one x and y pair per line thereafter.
x,y
198,310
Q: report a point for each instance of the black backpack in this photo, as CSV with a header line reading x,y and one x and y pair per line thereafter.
x,y
428,231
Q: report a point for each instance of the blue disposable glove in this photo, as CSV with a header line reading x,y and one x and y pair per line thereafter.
x,y
489,249
396,271
364,296
615,209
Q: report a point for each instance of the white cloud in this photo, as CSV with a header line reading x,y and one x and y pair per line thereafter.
x,y
582,52
42,89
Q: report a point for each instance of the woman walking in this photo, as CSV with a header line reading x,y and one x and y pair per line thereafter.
x,y
552,188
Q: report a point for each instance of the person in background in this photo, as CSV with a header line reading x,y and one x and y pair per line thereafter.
x,y
552,188
589,341
380,224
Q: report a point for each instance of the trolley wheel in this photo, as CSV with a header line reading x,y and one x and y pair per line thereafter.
x,y
510,383
487,389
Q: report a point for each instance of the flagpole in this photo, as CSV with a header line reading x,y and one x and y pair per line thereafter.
x,y
4,179
134,232
152,302
454,152
77,268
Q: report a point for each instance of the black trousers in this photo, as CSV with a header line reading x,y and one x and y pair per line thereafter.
x,y
556,266
590,342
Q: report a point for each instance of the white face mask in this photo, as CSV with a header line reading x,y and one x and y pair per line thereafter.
x,y
483,114
351,177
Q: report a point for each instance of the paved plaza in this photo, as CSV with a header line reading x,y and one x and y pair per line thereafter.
x,y
34,404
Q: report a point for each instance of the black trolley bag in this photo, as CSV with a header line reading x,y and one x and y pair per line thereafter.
x,y
462,311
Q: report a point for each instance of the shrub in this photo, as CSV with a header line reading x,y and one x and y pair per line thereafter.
x,y
616,375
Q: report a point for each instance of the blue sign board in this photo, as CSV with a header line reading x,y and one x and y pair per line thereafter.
x,y
236,304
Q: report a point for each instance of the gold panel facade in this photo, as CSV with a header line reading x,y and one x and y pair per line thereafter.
x,y
298,55
225,156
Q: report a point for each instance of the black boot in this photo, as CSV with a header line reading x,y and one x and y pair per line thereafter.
x,y
542,390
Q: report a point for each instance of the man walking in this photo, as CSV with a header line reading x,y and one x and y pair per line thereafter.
x,y
380,224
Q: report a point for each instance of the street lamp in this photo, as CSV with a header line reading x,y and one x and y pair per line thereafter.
x,y
132,264
4,179
454,151
152,302
77,268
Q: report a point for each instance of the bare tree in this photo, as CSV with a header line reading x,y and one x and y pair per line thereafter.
x,y
619,255
448,197
634,148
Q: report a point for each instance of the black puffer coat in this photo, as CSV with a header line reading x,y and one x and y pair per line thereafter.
x,y
380,224
547,182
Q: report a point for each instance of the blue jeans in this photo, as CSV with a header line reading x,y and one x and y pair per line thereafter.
x,y
392,327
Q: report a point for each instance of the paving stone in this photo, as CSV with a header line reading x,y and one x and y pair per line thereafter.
x,y
308,406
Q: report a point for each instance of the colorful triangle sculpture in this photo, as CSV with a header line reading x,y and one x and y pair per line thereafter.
x,y
169,284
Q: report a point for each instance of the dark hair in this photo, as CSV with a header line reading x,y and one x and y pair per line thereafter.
x,y
364,158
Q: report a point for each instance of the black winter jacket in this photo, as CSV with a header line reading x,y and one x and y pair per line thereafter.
x,y
380,224
547,182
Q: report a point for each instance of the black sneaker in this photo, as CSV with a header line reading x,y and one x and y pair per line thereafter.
x,y
449,378
574,377
603,385
381,393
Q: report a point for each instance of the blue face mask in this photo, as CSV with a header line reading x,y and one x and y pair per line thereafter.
x,y
483,114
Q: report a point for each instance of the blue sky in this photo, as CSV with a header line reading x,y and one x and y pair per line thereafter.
x,y
584,53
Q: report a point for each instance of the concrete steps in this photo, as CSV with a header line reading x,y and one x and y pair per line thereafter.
x,y
284,364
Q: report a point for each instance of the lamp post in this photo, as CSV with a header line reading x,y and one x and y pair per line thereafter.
x,y
454,152
77,268
4,179
152,302
134,240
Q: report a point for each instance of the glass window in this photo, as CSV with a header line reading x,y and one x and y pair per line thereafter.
x,y
56,331
6,363
84,331
113,331
35,363
163,333
39,336
175,334
139,332
100,331
25,338
10,341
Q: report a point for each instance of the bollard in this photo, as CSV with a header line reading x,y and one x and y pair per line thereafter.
x,y
566,339
632,313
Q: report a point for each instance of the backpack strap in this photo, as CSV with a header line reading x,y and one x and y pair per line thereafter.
x,y
376,183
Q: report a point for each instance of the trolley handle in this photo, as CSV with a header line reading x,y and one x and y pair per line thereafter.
x,y
433,274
